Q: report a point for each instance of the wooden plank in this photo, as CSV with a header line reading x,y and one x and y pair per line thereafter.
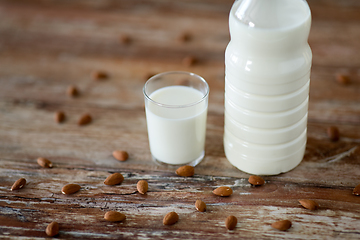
x,y
256,207
126,129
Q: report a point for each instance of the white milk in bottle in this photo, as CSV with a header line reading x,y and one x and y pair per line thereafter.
x,y
267,78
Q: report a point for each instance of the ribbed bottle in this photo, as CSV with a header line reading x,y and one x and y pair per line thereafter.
x,y
267,79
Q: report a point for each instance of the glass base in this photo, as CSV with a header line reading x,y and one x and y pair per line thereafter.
x,y
192,163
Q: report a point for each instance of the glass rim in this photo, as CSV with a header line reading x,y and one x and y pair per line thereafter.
x,y
206,94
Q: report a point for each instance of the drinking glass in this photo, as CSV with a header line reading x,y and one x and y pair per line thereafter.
x,y
176,106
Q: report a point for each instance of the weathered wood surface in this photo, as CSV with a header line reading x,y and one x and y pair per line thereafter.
x,y
45,46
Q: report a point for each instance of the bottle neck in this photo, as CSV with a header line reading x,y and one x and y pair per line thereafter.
x,y
279,39
271,14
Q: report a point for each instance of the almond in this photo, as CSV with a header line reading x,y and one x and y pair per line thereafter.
x,y
200,205
59,117
52,229
170,218
99,75
185,171
120,155
343,79
125,39
256,180
333,133
223,191
230,222
309,204
84,119
149,75
114,179
113,216
356,190
72,91
183,82
282,225
184,37
189,61
20,183
45,163
70,188
142,186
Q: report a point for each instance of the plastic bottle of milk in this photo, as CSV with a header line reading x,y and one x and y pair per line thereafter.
x,y
267,78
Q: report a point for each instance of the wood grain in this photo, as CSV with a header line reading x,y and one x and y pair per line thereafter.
x,y
46,46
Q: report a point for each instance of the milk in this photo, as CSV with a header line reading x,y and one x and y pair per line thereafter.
x,y
267,78
176,124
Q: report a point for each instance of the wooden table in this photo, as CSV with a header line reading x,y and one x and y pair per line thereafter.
x,y
46,46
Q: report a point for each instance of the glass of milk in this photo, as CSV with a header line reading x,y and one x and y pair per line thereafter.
x,y
176,106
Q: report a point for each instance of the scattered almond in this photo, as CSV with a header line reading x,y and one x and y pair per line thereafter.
x,y
356,190
184,37
125,39
170,218
120,155
183,82
20,183
52,229
99,75
113,216
256,180
230,222
148,76
189,61
185,171
223,191
70,188
72,91
309,204
282,225
59,117
200,205
142,186
84,119
333,133
114,179
343,79
45,163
